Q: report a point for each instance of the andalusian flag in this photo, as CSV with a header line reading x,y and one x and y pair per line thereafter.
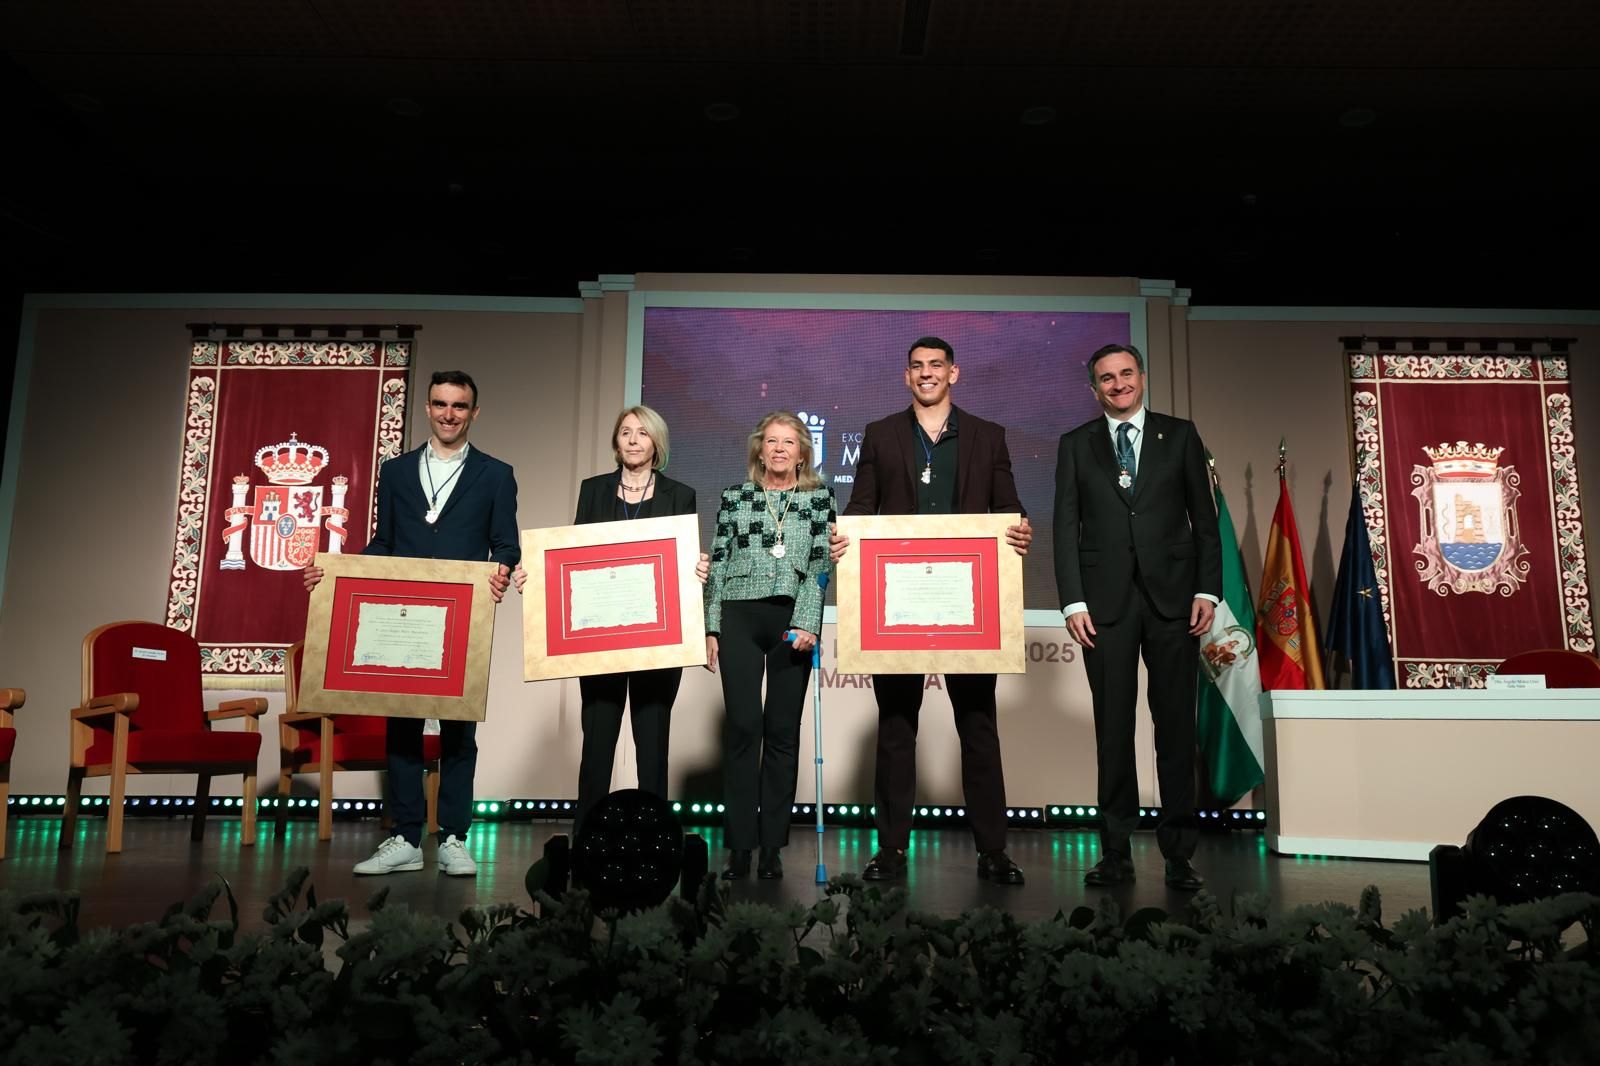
x,y
1229,717
1285,627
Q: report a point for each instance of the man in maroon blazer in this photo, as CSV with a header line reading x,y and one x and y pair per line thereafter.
x,y
935,458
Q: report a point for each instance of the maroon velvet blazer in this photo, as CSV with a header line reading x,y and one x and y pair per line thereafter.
x,y
890,461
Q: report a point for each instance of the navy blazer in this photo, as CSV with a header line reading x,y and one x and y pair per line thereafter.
x,y
479,520
1166,527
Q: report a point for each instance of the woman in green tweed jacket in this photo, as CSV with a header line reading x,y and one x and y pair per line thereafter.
x,y
771,543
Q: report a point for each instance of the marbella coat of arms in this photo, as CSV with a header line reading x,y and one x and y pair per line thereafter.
x,y
286,517
1470,538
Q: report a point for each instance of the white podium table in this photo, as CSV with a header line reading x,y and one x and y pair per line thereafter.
x,y
1388,775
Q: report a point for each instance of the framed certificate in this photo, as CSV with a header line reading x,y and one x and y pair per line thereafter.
x,y
399,637
930,594
612,596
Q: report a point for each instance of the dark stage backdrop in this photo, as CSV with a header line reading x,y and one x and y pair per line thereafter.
x,y
713,372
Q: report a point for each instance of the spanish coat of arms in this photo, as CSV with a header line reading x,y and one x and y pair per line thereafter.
x,y
286,517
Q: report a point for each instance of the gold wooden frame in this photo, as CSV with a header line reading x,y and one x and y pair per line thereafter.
x,y
470,706
1009,658
539,665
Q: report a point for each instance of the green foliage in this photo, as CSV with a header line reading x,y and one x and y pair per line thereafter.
x,y
854,978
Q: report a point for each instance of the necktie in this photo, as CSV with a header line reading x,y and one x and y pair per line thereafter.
x,y
1125,457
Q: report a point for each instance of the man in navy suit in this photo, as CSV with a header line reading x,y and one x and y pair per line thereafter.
x,y
1139,571
444,500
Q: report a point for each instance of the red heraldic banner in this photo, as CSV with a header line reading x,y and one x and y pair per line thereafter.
x,y
281,446
1469,484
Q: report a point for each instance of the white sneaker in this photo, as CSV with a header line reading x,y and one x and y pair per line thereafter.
x,y
454,860
394,855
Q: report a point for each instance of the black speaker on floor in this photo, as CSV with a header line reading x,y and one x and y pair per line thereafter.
x,y
630,854
1526,848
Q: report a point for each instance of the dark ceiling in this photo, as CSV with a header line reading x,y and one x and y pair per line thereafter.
x,y
1404,152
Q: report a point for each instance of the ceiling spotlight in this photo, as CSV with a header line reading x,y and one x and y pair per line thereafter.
x,y
1038,115
721,111
405,107
1358,118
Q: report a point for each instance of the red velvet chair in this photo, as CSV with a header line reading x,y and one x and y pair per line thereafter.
x,y
10,700
142,714
308,740
1561,668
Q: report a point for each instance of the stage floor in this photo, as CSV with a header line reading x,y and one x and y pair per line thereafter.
x,y
159,866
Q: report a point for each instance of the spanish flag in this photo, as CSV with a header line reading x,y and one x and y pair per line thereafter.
x,y
1286,628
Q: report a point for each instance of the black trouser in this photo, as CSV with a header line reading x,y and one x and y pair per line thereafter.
x,y
1171,660
458,757
983,780
649,695
761,741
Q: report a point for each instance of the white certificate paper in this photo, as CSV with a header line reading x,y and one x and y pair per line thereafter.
x,y
406,636
608,596
928,594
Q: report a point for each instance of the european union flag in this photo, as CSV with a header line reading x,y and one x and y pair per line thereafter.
x,y
1355,628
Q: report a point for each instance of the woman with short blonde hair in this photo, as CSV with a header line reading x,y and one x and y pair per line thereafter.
x,y
655,427
635,489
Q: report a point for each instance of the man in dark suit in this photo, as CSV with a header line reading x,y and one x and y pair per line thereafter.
x,y
1139,571
444,500
936,459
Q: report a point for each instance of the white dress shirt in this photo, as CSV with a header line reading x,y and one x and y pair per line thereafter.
x,y
439,474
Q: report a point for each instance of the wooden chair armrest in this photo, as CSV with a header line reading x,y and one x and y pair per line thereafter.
x,y
250,707
302,718
104,706
10,700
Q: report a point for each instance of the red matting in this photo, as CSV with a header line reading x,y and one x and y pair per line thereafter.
x,y
982,635
349,593
561,563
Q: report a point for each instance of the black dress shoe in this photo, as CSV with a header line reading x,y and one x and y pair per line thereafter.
x,y
770,868
887,865
997,866
738,867
1112,869
1182,874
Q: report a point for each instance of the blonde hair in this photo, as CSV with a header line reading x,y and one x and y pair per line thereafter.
x,y
654,426
805,470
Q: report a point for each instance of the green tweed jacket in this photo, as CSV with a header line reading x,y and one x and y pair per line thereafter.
x,y
742,564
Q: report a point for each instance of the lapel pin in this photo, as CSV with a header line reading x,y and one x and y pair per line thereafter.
x,y
1161,436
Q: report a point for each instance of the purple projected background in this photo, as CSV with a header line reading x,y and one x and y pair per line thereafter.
x,y
713,372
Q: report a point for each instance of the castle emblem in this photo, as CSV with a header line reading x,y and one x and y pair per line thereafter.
x,y
286,517
1470,537
817,426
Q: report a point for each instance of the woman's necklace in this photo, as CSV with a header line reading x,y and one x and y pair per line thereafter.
x,y
640,489
778,550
